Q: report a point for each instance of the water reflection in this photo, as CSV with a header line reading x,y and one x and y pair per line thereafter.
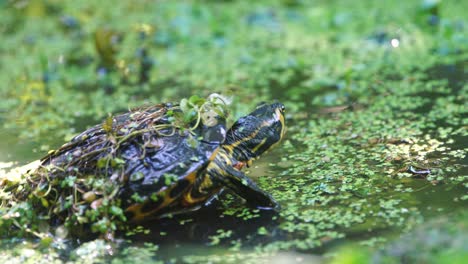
x,y
395,43
19,151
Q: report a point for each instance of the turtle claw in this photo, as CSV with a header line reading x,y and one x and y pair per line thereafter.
x,y
276,208
271,205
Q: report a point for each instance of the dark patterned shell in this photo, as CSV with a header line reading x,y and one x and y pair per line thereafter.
x,y
153,154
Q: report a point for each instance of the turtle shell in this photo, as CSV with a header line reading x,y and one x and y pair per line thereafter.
x,y
144,152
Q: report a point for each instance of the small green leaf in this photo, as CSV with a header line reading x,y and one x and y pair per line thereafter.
x,y
46,241
196,100
69,181
137,176
184,105
44,202
154,197
169,179
192,142
137,198
190,115
107,126
115,210
116,162
262,231
102,162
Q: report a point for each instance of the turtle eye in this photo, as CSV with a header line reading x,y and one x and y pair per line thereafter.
x,y
282,108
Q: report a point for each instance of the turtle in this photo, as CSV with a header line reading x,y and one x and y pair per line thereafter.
x,y
158,168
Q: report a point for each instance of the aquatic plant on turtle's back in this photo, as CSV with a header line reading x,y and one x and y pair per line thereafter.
x,y
76,193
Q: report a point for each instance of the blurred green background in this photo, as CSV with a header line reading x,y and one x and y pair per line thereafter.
x,y
371,88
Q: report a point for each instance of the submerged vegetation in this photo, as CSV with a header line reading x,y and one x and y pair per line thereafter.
x,y
377,121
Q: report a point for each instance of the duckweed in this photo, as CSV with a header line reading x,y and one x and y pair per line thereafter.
x,y
375,94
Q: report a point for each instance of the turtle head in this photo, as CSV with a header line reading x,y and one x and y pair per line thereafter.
x,y
256,132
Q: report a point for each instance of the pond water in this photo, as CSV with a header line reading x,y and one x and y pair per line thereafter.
x,y
373,167
216,231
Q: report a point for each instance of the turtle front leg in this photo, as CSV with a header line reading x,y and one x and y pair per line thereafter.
x,y
243,186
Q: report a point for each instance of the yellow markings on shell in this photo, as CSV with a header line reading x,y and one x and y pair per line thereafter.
x,y
225,157
189,200
214,154
136,209
229,148
186,199
207,182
